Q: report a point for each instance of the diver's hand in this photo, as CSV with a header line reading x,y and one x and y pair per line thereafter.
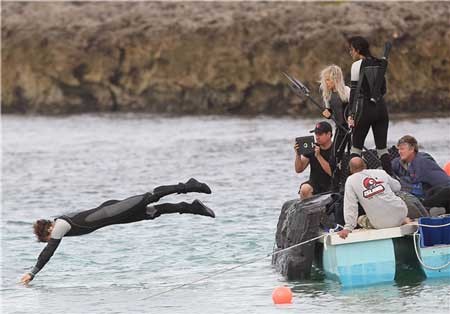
x,y
351,122
326,113
26,278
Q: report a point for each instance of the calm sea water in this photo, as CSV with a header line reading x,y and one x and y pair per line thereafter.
x,y
56,165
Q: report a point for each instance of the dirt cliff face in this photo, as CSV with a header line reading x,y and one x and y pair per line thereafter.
x,y
212,58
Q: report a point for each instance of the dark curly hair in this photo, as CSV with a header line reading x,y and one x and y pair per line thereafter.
x,y
40,228
361,45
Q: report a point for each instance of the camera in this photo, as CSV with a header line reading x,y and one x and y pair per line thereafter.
x,y
305,145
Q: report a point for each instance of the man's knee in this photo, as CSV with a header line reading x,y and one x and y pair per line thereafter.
x,y
306,190
151,212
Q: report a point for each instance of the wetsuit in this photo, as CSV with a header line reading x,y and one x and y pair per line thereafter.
x,y
368,113
113,212
109,213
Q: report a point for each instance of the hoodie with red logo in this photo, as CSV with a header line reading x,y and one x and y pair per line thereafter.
x,y
374,190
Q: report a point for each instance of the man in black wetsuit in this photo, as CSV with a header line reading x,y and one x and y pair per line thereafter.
x,y
112,212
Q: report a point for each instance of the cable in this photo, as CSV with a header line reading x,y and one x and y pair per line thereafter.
x,y
234,267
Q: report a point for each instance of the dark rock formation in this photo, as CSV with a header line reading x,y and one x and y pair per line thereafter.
x,y
299,221
212,57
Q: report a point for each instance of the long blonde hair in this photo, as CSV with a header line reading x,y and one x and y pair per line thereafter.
x,y
335,74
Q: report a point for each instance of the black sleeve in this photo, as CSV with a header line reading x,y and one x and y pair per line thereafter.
x,y
353,87
45,255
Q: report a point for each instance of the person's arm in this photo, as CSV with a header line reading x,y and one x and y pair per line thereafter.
x,y
59,230
350,206
322,161
327,111
43,258
430,173
394,184
354,78
301,161
347,93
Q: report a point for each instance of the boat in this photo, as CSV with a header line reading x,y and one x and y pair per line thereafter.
x,y
366,256
371,256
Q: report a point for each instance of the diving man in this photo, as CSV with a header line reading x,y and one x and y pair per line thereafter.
x,y
112,212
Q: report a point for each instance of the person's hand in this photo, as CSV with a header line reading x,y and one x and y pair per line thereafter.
x,y
296,148
344,233
326,113
26,278
316,151
351,122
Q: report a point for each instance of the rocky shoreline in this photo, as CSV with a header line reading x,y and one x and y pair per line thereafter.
x,y
212,57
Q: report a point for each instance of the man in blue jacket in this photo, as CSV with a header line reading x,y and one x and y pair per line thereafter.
x,y
420,175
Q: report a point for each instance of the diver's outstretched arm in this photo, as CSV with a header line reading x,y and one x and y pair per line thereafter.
x,y
43,258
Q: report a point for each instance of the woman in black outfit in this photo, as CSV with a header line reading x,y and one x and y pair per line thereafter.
x,y
367,107
336,95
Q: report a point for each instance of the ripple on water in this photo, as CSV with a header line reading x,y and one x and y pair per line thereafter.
x,y
58,165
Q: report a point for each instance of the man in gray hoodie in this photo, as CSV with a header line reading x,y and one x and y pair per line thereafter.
x,y
374,190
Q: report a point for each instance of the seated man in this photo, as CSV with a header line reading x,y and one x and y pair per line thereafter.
x,y
320,175
374,190
420,175
112,212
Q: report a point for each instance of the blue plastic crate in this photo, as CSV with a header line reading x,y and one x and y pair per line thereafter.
x,y
434,236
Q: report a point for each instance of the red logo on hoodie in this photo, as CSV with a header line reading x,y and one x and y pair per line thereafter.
x,y
373,187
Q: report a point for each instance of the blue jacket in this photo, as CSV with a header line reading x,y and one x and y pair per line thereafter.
x,y
422,174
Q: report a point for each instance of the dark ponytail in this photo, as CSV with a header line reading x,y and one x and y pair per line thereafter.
x,y
361,45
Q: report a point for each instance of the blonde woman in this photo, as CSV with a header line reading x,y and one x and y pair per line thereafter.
x,y
336,97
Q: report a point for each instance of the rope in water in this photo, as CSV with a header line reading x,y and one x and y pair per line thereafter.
x,y
331,231
237,266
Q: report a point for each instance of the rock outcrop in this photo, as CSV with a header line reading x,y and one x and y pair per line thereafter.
x,y
300,221
212,57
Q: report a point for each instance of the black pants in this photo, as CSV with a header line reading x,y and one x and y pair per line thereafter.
x,y
375,116
438,196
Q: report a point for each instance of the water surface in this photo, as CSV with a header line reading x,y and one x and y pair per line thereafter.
x,y
54,165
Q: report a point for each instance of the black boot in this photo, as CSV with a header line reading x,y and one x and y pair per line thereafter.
x,y
191,185
196,208
386,164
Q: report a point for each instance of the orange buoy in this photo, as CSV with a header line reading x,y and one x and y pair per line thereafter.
x,y
447,168
282,295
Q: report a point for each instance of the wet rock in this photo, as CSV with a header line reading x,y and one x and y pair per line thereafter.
x,y
299,221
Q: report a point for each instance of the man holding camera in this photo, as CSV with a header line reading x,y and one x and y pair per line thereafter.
x,y
320,175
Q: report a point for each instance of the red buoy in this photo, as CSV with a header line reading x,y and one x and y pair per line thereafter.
x,y
282,295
